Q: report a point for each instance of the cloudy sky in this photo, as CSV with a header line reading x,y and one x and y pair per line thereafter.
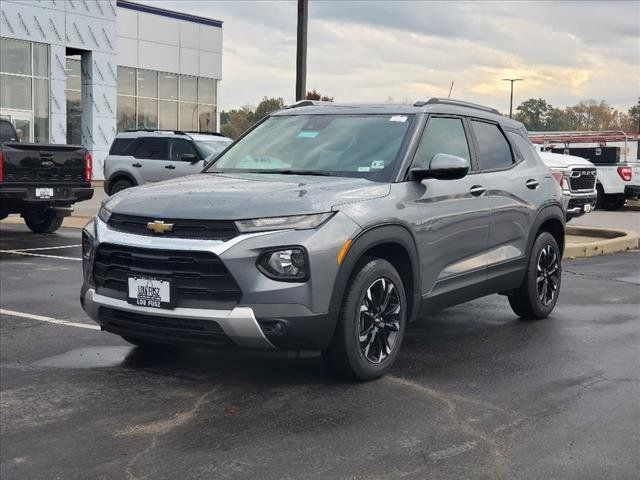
x,y
407,50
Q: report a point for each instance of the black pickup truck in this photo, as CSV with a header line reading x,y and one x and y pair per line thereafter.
x,y
41,181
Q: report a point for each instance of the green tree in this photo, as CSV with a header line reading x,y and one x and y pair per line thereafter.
x,y
237,121
534,113
634,118
315,95
267,106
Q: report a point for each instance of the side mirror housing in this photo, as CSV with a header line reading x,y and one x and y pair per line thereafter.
x,y
443,167
189,157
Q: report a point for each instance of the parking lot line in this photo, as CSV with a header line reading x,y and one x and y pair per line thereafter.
x,y
39,248
41,318
29,254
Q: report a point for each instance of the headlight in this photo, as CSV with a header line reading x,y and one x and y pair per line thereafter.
x,y
295,222
286,264
104,213
88,238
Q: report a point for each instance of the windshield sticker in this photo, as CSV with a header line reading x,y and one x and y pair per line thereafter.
x,y
377,165
398,118
307,134
364,169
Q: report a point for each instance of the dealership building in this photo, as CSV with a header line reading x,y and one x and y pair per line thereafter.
x,y
79,71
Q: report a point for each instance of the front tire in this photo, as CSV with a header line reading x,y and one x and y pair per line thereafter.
x,y
537,296
371,324
119,185
46,221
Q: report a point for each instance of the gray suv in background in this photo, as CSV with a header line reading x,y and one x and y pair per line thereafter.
x,y
331,227
140,156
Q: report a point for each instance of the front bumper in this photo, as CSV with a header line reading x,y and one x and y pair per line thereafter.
x,y
239,324
577,204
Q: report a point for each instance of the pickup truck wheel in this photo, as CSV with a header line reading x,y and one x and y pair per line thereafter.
x,y
612,202
43,222
120,185
371,324
538,294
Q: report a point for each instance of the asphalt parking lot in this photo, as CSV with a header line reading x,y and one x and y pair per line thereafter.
x,y
475,392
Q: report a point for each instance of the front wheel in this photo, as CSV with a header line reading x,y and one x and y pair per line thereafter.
x,y
371,324
46,221
538,294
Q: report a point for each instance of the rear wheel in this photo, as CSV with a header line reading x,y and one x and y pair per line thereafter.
x,y
609,202
371,324
46,221
538,294
119,185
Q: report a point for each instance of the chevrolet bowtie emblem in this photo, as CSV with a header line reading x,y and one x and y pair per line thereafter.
x,y
158,226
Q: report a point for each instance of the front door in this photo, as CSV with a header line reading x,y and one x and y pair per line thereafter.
x,y
23,121
450,218
185,159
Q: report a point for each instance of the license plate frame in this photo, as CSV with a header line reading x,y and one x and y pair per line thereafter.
x,y
151,292
44,192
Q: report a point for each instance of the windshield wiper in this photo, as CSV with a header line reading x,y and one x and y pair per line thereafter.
x,y
318,173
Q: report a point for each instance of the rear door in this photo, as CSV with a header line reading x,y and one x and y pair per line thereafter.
x,y
450,217
151,157
185,159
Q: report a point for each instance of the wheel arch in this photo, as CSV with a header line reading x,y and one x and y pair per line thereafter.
x,y
550,219
392,242
119,175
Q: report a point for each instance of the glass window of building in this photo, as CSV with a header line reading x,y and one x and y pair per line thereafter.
x,y
126,81
147,113
40,110
16,92
73,93
126,113
15,56
188,117
148,84
168,85
206,87
188,89
40,60
168,115
206,118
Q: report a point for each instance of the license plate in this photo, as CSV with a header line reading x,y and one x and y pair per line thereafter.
x,y
44,192
149,292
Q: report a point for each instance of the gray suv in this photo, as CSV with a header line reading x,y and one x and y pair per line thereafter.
x,y
331,228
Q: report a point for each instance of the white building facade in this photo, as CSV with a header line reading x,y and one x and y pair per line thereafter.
x,y
79,71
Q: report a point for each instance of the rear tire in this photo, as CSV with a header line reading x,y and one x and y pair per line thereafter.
x,y
120,185
371,324
537,296
609,202
46,221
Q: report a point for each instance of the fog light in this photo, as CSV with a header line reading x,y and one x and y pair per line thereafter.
x,y
288,264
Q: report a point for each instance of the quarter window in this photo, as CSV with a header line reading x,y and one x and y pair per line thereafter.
x,y
443,135
152,148
493,149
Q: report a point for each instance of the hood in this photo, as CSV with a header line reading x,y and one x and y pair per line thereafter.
x,y
558,160
243,196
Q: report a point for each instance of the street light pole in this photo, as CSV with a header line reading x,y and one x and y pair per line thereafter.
x,y
301,53
511,101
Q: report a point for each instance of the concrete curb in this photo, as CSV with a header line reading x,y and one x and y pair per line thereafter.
x,y
609,241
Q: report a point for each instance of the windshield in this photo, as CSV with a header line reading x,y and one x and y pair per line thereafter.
x,y
212,147
343,145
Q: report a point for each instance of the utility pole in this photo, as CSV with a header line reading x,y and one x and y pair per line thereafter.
x,y
511,101
301,54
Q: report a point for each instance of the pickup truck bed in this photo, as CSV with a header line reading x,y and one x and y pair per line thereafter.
x,y
41,182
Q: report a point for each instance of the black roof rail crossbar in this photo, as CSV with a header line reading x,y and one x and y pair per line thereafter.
x,y
217,134
177,132
459,103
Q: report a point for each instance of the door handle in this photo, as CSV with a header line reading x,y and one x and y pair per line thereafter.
x,y
477,190
170,167
137,165
532,184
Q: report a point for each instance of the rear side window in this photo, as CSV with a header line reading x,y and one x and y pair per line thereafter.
x,y
443,135
493,149
152,148
180,147
6,131
120,146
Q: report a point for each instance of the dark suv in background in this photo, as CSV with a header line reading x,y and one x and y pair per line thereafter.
x,y
331,227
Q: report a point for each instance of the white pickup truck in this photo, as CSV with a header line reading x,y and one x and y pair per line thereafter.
x,y
615,156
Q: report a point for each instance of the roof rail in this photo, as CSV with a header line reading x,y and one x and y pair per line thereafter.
x,y
216,134
158,130
304,103
458,103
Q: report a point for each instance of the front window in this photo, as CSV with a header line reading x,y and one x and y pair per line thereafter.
x,y
364,146
209,148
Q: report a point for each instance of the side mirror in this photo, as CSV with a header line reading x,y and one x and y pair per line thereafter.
x,y
189,157
443,167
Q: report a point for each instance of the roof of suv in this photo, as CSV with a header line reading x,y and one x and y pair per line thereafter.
x,y
433,105
201,136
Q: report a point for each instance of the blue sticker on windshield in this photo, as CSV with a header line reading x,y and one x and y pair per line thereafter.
x,y
307,134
